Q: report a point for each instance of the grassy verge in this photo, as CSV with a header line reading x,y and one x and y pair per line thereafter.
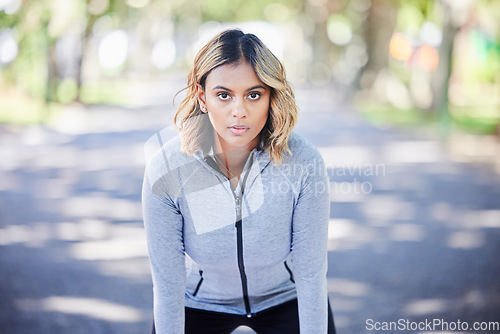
x,y
480,120
386,114
17,107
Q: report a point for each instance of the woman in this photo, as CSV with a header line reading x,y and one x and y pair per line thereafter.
x,y
236,208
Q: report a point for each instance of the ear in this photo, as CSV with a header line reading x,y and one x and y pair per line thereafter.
x,y
200,94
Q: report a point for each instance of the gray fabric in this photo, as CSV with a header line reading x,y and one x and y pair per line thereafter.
x,y
190,214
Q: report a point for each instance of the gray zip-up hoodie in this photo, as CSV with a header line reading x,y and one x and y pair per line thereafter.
x,y
237,251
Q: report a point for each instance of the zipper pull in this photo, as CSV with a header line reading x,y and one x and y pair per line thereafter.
x,y
237,201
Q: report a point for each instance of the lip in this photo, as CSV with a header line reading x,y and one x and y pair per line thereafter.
x,y
238,129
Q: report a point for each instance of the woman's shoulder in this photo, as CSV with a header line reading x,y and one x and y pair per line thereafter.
x,y
168,157
302,149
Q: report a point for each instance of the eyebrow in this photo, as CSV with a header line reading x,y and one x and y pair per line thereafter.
x,y
249,89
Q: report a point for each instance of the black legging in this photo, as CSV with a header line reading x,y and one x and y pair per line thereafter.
x,y
281,319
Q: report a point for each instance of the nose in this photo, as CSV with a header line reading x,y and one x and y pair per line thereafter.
x,y
239,109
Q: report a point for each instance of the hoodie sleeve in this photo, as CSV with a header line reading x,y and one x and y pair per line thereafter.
x,y
309,246
164,231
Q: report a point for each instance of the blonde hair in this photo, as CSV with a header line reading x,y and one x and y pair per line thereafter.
x,y
232,47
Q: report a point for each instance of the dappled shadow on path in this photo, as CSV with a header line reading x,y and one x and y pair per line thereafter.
x,y
73,251
413,235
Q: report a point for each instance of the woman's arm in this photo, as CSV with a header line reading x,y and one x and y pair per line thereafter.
x,y
163,224
309,248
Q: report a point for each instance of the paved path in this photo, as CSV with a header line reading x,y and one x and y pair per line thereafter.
x,y
413,235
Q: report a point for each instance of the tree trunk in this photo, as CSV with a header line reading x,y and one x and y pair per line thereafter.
x,y
441,78
83,51
378,32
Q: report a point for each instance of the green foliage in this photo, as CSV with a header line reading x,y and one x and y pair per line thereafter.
x,y
7,21
67,91
239,10
28,70
487,51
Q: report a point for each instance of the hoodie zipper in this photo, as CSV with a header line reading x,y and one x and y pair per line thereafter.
x,y
239,233
241,263
239,242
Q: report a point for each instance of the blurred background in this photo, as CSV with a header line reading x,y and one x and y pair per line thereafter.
x,y
401,97
406,61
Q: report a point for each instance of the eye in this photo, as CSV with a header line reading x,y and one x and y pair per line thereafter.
x,y
223,96
254,95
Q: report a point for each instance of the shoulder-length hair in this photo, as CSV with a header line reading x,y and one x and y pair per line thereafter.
x,y
231,47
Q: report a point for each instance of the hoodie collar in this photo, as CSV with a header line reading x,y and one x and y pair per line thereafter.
x,y
261,159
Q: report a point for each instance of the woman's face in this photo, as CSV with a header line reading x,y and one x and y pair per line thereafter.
x,y
237,103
